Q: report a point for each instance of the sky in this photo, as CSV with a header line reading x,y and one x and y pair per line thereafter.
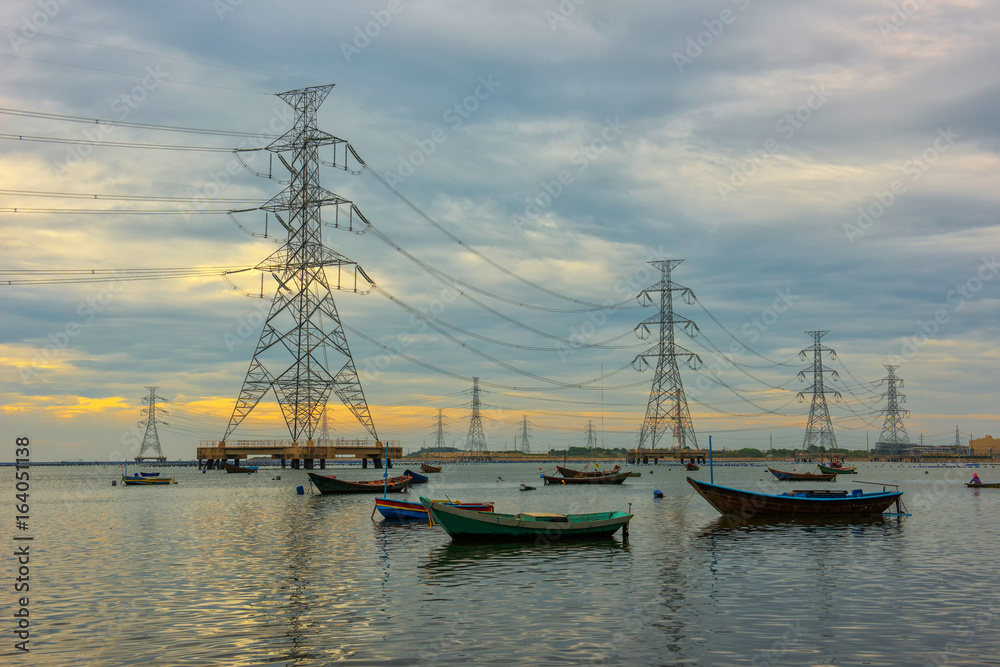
x,y
817,167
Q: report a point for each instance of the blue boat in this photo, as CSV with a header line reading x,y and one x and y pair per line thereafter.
x,y
404,510
417,479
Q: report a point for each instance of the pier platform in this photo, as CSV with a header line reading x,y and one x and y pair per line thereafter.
x,y
305,455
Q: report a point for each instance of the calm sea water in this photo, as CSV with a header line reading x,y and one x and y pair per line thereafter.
x,y
240,570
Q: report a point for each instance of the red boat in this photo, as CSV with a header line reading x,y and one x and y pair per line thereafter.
x,y
615,478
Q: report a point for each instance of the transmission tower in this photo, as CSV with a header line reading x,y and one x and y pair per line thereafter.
x,y
893,438
439,436
591,436
150,450
667,408
476,440
302,343
819,429
324,428
525,445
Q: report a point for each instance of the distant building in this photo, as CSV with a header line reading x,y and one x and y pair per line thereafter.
x,y
985,446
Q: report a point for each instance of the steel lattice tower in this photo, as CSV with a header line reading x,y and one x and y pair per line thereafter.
x,y
476,440
303,341
667,408
439,435
591,437
893,432
525,445
819,429
151,439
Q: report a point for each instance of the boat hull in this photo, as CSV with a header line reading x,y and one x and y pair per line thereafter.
x,y
416,478
147,481
802,476
749,504
405,510
837,471
616,478
569,472
984,486
230,468
541,528
332,485
426,468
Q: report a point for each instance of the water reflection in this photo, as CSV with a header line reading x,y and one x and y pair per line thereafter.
x,y
458,556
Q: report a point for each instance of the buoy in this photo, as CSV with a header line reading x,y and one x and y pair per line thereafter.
x,y
300,490
657,494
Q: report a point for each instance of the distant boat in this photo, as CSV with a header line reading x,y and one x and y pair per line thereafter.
x,y
329,485
837,467
417,477
491,526
994,485
615,478
803,476
229,467
569,472
429,468
810,503
525,487
692,466
403,510
137,480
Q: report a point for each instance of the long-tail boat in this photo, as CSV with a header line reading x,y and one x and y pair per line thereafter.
x,y
146,481
808,503
803,476
540,527
403,510
331,485
230,468
569,472
613,478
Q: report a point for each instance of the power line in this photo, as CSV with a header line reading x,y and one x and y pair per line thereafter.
x,y
122,123
116,144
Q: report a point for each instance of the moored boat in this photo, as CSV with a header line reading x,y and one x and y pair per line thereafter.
x,y
429,468
992,485
614,478
403,510
230,468
692,466
330,485
851,470
138,480
542,527
806,503
569,472
803,476
416,477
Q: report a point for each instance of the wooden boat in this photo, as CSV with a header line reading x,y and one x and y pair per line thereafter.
x,y
993,485
326,484
417,477
428,468
803,476
404,510
837,471
811,503
139,480
614,478
229,467
569,472
525,487
692,466
542,527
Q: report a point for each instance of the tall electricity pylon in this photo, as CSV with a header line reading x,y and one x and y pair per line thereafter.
x,y
591,437
476,440
439,435
303,341
667,408
819,429
525,445
151,440
893,434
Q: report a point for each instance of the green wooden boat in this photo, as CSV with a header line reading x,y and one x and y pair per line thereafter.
x,y
837,471
466,525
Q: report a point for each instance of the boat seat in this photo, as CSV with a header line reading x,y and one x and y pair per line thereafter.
x,y
542,516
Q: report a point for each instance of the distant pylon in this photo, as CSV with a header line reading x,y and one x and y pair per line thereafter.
x,y
324,428
958,443
819,428
591,437
476,440
302,335
667,408
150,449
439,436
525,446
893,434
